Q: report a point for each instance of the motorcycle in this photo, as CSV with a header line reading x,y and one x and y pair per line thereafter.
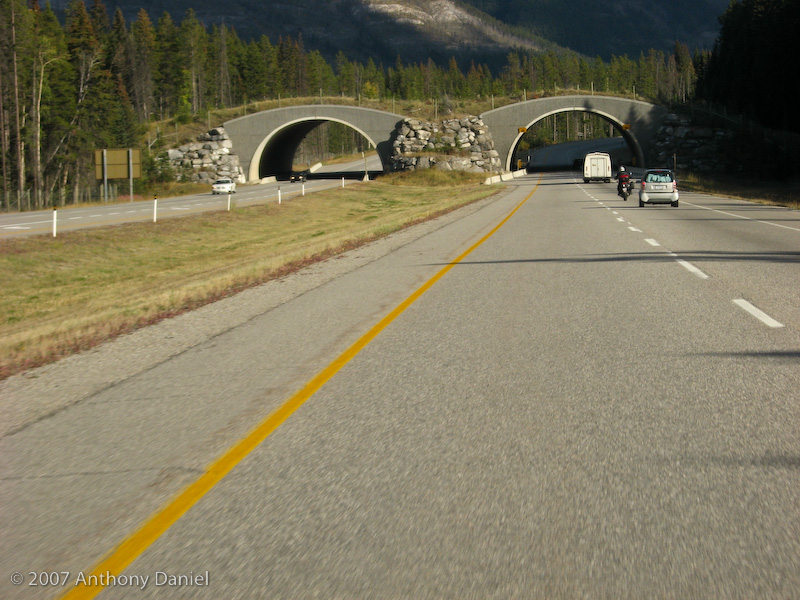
x,y
626,188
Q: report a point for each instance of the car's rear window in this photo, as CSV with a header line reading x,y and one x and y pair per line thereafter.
x,y
663,177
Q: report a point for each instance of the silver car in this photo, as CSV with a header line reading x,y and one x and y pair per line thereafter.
x,y
659,186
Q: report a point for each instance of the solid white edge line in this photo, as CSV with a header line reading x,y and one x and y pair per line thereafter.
x,y
742,217
758,314
691,268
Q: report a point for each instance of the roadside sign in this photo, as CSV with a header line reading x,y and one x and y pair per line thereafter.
x,y
119,164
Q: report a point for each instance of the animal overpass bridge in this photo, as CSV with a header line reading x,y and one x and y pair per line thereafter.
x,y
267,141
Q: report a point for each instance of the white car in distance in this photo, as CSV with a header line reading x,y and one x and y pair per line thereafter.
x,y
224,186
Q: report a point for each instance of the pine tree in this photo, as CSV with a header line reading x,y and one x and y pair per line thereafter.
x,y
194,42
117,47
168,68
221,62
48,74
142,59
253,67
455,80
94,93
16,29
345,73
99,18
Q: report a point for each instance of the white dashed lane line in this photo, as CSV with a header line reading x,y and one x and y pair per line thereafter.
x,y
691,268
740,302
758,313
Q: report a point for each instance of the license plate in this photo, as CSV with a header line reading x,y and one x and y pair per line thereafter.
x,y
659,187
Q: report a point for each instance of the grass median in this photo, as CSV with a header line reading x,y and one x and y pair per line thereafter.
x,y
66,294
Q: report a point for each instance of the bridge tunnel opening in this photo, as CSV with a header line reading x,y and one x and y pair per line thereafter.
x,y
559,141
300,148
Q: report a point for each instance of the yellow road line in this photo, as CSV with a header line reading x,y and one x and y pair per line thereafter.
x,y
158,523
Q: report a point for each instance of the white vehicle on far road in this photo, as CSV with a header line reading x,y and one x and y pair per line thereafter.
x,y
224,186
597,167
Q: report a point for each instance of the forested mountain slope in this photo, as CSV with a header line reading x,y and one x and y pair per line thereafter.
x,y
612,28
410,29
480,30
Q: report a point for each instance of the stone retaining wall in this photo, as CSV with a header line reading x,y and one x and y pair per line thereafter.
x,y
208,159
454,145
689,147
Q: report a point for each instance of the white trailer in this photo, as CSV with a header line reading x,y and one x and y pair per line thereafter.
x,y
597,167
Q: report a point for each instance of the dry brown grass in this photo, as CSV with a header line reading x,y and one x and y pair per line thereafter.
x,y
65,294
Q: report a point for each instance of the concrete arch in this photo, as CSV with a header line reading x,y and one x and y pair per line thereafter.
x,y
642,118
267,141
278,148
632,142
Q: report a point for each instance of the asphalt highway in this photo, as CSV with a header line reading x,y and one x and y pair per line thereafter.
x,y
550,394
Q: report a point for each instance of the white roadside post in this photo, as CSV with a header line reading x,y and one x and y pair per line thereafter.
x,y
304,188
229,202
155,208
279,194
55,220
342,181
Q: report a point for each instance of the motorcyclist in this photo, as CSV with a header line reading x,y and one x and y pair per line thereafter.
x,y
623,177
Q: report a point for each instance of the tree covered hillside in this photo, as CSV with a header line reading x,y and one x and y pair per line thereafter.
x,y
612,28
751,70
377,28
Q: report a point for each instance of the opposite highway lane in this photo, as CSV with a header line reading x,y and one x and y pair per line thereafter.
x,y
578,407
72,218
23,224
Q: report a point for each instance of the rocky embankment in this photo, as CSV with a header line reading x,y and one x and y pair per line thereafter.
x,y
208,159
688,146
453,145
